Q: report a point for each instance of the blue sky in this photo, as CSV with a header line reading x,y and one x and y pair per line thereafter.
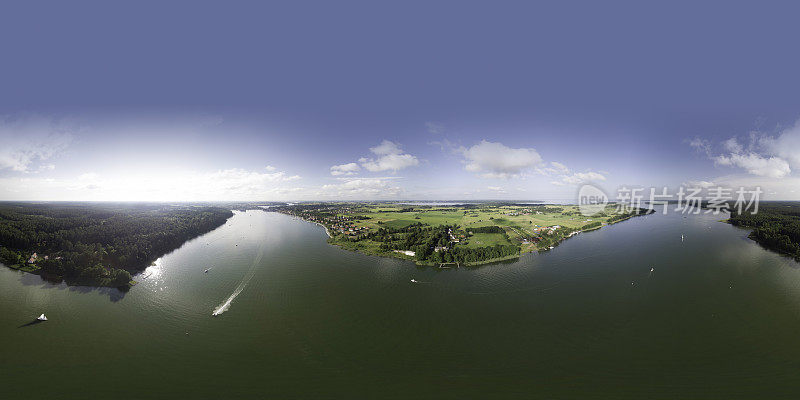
x,y
396,100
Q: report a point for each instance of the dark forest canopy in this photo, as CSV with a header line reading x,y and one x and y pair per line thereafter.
x,y
98,244
433,243
776,226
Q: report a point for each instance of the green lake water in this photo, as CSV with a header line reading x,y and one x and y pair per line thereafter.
x,y
719,317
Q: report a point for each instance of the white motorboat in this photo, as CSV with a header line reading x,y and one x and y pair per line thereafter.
x,y
42,318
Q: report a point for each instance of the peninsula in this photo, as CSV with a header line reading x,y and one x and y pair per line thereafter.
x,y
457,234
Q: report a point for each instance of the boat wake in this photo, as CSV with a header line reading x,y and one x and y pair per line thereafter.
x,y
226,305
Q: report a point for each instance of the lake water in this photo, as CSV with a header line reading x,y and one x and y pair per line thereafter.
x,y
718,318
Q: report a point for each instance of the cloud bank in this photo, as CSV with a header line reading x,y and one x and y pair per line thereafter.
x,y
496,160
30,139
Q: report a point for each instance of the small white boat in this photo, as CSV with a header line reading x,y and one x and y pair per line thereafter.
x,y
206,271
414,281
652,269
681,237
42,318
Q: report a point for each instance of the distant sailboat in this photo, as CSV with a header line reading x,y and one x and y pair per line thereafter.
x,y
42,318
681,237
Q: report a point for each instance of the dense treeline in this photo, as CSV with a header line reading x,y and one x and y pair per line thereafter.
x,y
775,226
469,254
434,243
415,237
632,213
487,229
591,225
93,244
462,254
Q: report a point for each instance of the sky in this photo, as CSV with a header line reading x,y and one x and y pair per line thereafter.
x,y
434,100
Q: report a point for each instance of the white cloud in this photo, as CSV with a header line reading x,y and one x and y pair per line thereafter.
x,y
228,184
774,188
556,168
786,145
390,158
28,139
767,159
362,188
773,167
566,177
701,145
270,168
345,169
765,155
241,175
698,184
580,177
732,145
559,167
495,160
434,127
386,147
391,162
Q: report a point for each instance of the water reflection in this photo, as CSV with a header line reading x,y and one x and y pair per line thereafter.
x,y
152,272
28,279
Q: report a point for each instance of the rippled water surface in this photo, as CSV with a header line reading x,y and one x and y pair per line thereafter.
x,y
719,317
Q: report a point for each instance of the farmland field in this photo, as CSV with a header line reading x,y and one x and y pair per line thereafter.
x,y
469,233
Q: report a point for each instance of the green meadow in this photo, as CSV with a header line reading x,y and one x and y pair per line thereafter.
x,y
529,227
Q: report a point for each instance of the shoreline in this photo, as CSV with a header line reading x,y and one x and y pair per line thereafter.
x,y
55,282
400,255
327,232
105,282
525,247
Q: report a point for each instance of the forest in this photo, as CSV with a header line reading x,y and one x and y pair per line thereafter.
x,y
97,244
776,226
433,243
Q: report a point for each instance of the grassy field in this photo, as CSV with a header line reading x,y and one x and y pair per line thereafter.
x,y
354,226
486,239
523,223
